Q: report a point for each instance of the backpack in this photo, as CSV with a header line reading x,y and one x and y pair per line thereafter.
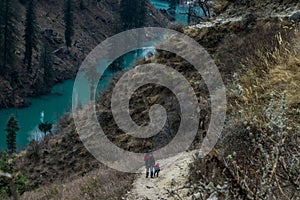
x,y
145,156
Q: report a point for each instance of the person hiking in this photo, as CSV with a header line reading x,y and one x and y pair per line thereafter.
x,y
149,163
156,169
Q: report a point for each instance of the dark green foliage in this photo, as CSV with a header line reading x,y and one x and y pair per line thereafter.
x,y
46,63
172,6
8,17
132,13
7,163
141,13
126,13
14,77
69,29
117,65
81,5
45,127
23,2
5,167
30,34
12,127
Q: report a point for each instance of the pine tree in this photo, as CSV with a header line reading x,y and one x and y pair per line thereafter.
x,y
2,11
132,13
116,65
172,6
23,2
30,34
12,128
8,35
81,5
69,32
126,13
140,14
45,127
46,63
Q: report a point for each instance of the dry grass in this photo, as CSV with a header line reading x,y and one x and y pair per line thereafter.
x,y
257,159
98,184
277,72
225,8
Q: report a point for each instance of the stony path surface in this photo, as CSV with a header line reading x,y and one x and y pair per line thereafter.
x,y
173,176
175,170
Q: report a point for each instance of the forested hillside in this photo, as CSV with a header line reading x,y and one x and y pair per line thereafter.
x,y
44,42
255,47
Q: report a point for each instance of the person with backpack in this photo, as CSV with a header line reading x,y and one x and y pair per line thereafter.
x,y
149,163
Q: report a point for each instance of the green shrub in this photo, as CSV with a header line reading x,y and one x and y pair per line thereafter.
x,y
7,164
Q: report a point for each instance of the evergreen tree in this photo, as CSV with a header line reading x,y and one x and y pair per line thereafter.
x,y
172,6
8,17
69,32
116,65
45,127
30,34
81,5
46,63
126,13
23,2
12,127
140,13
132,13
2,12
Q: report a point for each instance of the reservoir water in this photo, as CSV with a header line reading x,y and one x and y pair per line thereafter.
x,y
181,18
50,107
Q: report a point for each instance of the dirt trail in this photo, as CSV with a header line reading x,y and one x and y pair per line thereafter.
x,y
173,176
171,183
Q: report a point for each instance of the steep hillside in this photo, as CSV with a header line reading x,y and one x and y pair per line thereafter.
x,y
94,23
259,63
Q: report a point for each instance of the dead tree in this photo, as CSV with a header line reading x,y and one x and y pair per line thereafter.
x,y
203,4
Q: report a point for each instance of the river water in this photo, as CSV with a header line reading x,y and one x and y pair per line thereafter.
x,y
50,107
181,18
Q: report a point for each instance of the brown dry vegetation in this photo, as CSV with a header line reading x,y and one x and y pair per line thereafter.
x,y
262,8
266,59
97,184
258,155
60,167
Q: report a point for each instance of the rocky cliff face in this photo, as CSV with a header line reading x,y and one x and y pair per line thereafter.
x,y
92,25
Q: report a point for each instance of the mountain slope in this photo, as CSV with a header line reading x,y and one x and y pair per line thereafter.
x,y
235,46
92,25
